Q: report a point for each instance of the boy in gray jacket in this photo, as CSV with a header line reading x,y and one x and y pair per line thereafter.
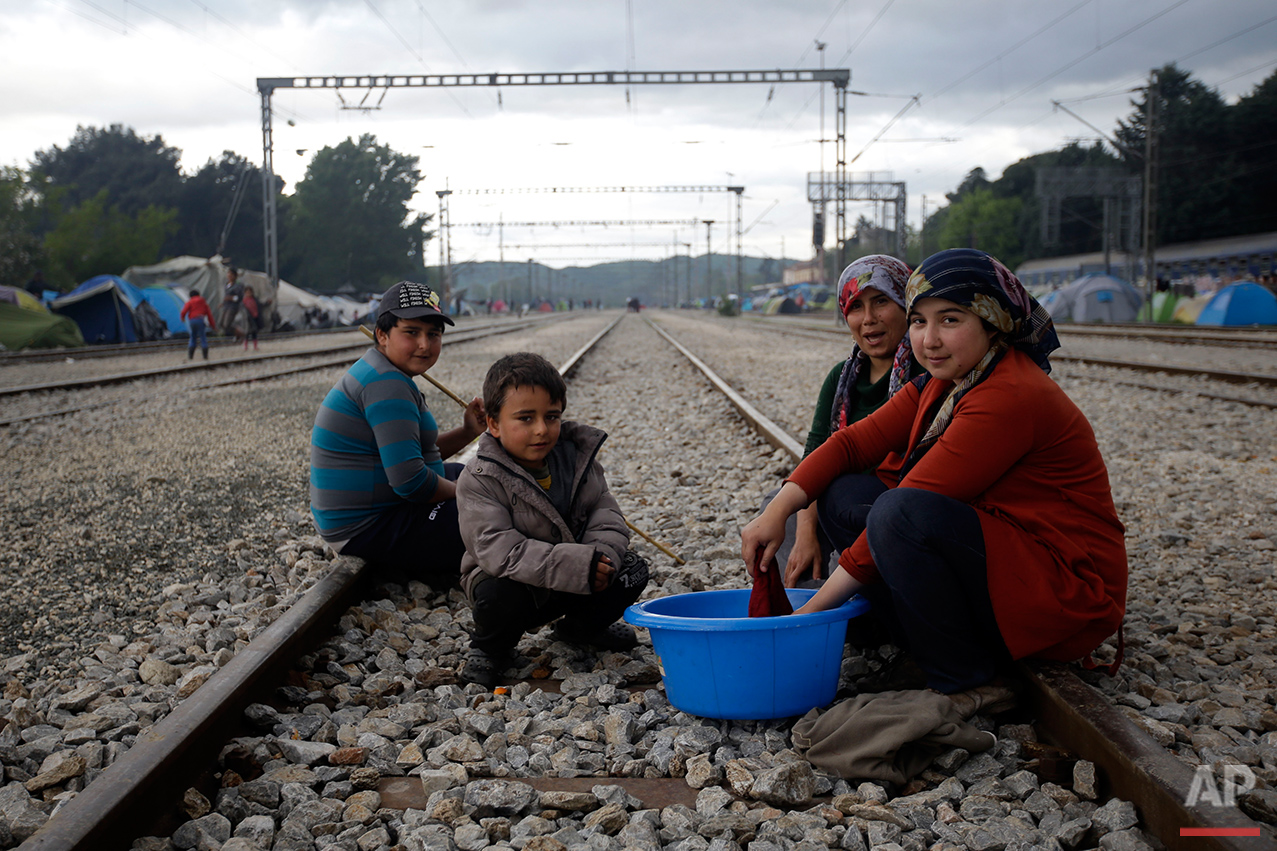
x,y
544,537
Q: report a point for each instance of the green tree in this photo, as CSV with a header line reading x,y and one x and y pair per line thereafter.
x,y
137,172
205,201
982,220
20,250
349,221
93,238
1253,127
1195,167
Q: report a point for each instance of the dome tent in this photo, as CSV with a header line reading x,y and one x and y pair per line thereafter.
x,y
1095,298
1243,303
109,309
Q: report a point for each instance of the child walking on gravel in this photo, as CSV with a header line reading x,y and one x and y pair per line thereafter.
x,y
544,537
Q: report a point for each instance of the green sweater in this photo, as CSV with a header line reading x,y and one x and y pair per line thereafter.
x,y
866,398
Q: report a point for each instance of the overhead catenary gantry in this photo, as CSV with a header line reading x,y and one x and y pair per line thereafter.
x,y
266,86
698,189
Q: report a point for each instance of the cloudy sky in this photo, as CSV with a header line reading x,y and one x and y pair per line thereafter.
x,y
985,73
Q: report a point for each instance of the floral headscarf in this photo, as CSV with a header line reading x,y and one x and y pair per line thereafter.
x,y
888,276
992,292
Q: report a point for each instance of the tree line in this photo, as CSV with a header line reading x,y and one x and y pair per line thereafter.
x,y
110,199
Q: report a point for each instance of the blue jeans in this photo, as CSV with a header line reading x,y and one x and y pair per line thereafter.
x,y
934,590
199,336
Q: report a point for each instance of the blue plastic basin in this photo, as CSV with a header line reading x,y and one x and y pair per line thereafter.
x,y
718,662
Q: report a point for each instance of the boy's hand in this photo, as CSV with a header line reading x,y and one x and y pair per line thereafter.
x,y
603,573
474,417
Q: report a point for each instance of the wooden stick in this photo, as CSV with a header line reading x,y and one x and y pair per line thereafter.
x,y
438,384
656,543
454,397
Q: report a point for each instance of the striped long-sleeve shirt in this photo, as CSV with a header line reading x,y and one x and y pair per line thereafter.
x,y
372,448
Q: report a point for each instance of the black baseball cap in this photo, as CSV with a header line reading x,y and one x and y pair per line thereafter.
x,y
409,300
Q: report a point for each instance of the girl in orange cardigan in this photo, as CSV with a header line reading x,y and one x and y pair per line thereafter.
x,y
988,532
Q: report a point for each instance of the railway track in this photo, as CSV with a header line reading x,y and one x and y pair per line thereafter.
x,y
1248,337
317,358
1191,337
111,810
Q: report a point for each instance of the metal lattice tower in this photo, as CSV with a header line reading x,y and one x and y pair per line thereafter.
x,y
875,186
266,86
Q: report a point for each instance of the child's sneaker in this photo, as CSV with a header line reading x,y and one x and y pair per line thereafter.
x,y
481,668
618,636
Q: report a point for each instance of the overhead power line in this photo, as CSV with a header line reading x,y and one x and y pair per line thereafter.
x,y
1066,66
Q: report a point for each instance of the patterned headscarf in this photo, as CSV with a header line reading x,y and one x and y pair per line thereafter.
x,y
992,292
887,275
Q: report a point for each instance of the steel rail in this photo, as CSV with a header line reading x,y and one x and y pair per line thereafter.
x,y
772,433
94,351
1183,335
108,811
1224,375
1076,716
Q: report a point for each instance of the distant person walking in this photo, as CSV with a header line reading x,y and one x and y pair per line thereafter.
x,y
195,311
232,297
251,313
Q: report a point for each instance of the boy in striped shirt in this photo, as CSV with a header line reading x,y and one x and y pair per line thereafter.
x,y
379,488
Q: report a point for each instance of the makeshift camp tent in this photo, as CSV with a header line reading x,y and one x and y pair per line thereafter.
x,y
208,277
109,309
1188,309
21,328
1095,298
1242,303
293,305
168,304
1163,307
21,298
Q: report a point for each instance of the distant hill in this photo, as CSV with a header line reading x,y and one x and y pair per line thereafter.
x,y
651,281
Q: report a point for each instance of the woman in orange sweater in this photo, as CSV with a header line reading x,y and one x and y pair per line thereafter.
x,y
992,533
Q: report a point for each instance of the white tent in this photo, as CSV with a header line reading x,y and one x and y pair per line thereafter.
x,y
208,277
292,303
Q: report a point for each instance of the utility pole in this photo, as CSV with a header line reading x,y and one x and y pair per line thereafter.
x,y
529,300
820,247
505,287
922,233
740,192
709,259
444,275
688,257
1150,189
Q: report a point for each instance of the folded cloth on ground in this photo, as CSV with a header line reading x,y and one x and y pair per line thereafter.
x,y
768,598
890,736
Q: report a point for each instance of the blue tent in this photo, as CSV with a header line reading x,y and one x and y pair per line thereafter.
x,y
102,308
109,309
1240,304
168,305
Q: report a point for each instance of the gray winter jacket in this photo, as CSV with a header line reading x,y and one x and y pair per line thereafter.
x,y
511,529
